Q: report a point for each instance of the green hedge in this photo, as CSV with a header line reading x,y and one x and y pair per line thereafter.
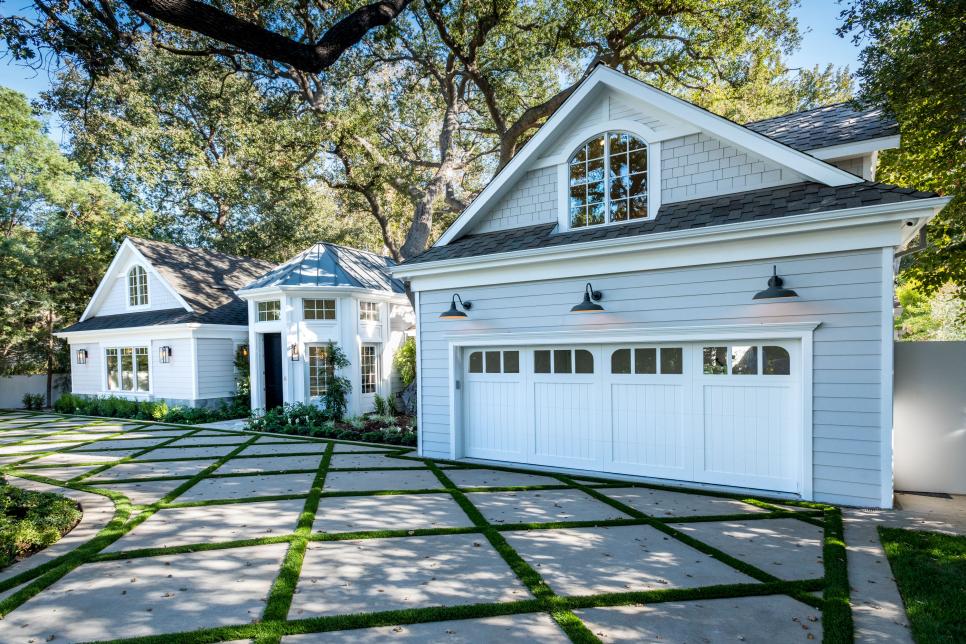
x,y
115,407
30,521
299,419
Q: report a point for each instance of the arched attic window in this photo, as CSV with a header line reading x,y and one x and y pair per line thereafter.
x,y
137,286
608,180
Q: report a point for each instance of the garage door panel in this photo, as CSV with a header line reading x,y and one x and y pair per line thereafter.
x,y
565,428
648,429
496,430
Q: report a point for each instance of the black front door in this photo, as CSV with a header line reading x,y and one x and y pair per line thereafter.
x,y
272,353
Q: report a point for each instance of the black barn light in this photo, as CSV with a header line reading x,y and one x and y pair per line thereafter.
x,y
775,288
589,304
454,313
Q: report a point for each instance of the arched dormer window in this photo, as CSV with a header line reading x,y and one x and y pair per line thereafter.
x,y
137,286
608,180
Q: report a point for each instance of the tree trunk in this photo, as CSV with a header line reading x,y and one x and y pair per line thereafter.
x,y
50,357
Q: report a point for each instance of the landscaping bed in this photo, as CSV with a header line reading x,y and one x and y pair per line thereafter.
x,y
298,419
31,521
930,570
115,407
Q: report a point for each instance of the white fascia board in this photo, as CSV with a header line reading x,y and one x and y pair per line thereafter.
x,y
803,163
856,148
127,248
158,332
797,234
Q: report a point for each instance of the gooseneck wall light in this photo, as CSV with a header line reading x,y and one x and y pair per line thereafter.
x,y
775,288
455,313
589,304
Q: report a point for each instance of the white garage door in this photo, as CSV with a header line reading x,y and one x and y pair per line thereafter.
x,y
717,412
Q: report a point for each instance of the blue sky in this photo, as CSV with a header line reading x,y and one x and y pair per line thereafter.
x,y
817,20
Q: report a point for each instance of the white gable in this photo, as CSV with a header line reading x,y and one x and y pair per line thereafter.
x,y
609,100
111,296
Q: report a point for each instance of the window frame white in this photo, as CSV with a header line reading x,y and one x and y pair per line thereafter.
x,y
323,309
654,182
327,370
368,307
365,363
136,352
258,310
133,287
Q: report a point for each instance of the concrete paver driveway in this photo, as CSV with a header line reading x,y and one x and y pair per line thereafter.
x,y
224,535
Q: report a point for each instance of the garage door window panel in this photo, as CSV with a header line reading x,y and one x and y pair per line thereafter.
x,y
744,360
775,361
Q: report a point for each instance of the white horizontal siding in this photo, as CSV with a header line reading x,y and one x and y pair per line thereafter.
x,y
216,369
174,379
86,378
116,299
841,291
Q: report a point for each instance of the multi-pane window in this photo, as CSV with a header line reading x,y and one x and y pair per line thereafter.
x,y
369,311
318,309
137,286
647,360
746,360
369,367
494,362
127,369
608,180
269,311
563,361
321,370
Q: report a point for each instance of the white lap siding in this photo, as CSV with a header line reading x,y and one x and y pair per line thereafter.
x,y
843,291
173,380
86,378
216,369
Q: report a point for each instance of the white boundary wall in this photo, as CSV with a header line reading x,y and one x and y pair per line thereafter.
x,y
12,389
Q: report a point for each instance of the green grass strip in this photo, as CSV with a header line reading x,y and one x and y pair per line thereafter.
x,y
837,624
283,589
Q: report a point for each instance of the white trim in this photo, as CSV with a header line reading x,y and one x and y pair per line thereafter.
x,y
127,290
855,148
419,381
583,135
804,164
158,332
317,292
886,395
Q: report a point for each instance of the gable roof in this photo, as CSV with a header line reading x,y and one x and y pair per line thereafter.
x,y
332,265
204,280
754,205
808,166
826,126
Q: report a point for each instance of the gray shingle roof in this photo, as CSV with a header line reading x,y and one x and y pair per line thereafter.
x,y
206,279
754,205
825,126
327,264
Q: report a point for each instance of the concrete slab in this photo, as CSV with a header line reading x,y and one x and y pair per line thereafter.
x,y
390,512
292,447
27,448
753,620
368,461
527,628
542,506
60,473
220,439
144,493
237,423
211,524
661,503
241,487
365,481
586,561
136,469
786,548
383,574
496,478
186,452
71,458
124,443
348,448
149,596
270,464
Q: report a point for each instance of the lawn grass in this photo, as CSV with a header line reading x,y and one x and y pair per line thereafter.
x,y
930,570
31,521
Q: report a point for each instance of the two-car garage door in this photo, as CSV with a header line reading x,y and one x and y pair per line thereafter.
x,y
727,413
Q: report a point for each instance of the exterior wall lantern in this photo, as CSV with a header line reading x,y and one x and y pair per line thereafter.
x,y
82,356
243,351
454,313
293,352
775,288
165,354
589,305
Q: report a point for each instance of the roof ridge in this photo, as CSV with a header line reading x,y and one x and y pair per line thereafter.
x,y
353,249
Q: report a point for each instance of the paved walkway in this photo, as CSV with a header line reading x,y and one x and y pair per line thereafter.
x,y
307,541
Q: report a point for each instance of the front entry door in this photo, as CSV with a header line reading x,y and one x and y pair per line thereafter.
x,y
272,357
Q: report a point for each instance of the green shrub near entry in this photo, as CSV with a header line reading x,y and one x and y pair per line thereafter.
x,y
156,410
405,361
300,419
30,521
33,401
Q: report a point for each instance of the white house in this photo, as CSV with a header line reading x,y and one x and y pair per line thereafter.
x,y
620,312
328,293
164,324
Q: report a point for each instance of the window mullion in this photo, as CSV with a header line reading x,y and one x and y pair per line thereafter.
x,y
606,177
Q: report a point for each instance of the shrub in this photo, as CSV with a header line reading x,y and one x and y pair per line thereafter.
x,y
335,398
384,406
30,521
404,362
33,401
70,404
